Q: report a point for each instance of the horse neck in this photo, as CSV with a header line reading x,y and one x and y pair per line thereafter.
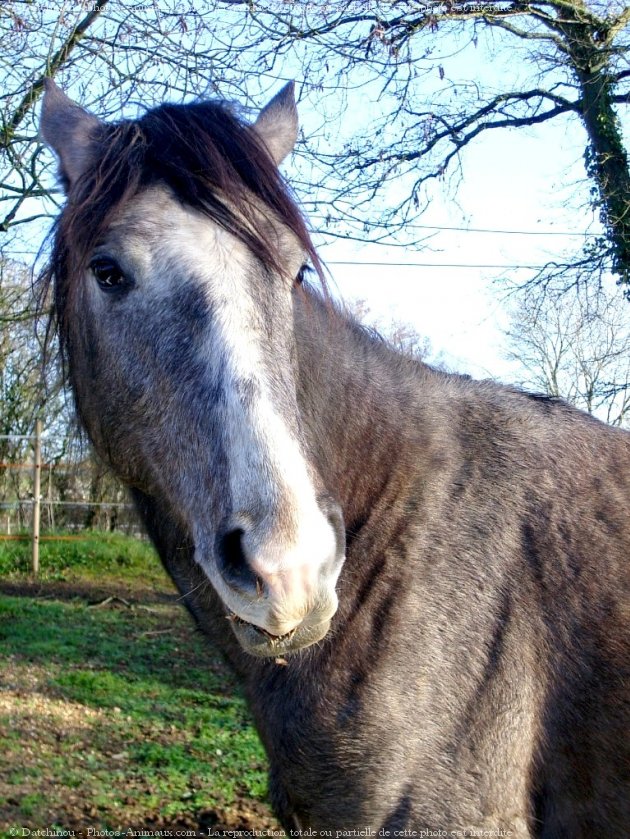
x,y
359,407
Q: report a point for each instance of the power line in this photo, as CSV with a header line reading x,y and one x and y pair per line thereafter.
x,y
482,230
391,264
501,232
434,265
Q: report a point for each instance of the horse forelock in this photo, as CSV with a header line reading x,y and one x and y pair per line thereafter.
x,y
210,158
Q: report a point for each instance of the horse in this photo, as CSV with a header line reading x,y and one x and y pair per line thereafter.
x,y
420,579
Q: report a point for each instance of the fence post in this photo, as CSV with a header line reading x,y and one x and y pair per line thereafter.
x,y
37,484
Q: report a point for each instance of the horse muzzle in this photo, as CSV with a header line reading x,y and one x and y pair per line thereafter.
x,y
279,593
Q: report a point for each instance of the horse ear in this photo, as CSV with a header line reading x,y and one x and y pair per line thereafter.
x,y
277,123
69,131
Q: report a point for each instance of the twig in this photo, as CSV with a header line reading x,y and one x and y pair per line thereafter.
x,y
113,599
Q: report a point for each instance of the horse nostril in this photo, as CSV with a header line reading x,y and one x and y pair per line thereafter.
x,y
233,563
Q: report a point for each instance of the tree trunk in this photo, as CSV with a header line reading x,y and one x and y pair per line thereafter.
x,y
605,157
607,163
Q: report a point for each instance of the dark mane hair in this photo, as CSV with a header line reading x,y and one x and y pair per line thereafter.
x,y
211,159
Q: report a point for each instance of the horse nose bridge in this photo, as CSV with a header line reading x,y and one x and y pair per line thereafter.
x,y
268,466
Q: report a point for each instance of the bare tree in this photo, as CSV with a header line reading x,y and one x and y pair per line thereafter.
x,y
576,347
110,56
20,388
399,334
572,63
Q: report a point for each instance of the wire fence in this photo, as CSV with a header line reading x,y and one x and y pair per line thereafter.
x,y
35,515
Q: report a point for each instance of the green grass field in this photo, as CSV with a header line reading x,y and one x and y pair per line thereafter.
x,y
116,714
90,556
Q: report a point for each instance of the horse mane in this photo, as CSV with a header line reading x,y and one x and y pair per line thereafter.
x,y
213,161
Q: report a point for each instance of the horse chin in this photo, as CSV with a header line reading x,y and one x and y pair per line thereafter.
x,y
261,644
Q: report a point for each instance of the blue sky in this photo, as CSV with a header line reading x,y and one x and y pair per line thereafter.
x,y
512,181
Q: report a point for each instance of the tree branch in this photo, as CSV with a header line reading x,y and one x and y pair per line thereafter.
x,y
451,132
500,23
52,67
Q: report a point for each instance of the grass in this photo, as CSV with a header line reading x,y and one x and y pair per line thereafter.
x,y
87,556
116,716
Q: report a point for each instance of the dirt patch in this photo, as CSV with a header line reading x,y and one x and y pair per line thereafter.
x,y
91,592
43,729
32,712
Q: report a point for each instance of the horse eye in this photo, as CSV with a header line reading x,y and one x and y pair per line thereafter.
x,y
301,275
107,273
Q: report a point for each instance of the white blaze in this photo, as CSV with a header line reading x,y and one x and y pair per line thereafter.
x,y
267,471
